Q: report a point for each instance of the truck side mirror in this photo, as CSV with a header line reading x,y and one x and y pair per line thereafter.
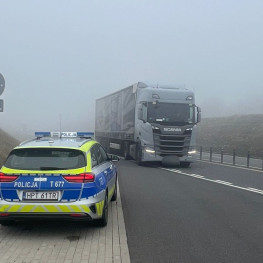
x,y
140,114
198,114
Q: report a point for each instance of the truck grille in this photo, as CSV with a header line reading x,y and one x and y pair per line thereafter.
x,y
171,144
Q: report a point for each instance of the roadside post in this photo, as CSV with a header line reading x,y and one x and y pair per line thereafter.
x,y
2,87
248,157
222,156
234,157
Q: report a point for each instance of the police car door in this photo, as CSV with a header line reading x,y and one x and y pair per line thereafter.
x,y
103,169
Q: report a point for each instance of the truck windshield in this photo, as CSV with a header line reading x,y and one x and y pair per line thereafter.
x,y
45,159
172,113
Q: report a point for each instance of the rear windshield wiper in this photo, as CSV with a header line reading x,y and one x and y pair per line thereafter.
x,y
51,168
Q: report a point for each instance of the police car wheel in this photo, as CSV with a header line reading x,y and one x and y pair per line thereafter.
x,y
104,219
114,197
6,222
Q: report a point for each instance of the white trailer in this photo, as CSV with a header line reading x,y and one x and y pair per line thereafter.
x,y
149,123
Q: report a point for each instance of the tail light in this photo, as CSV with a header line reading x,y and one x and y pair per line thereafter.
x,y
80,178
7,178
4,214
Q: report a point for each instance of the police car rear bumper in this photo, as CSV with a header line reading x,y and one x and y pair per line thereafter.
x,y
88,209
49,216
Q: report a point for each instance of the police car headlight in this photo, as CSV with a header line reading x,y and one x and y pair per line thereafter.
x,y
149,149
192,152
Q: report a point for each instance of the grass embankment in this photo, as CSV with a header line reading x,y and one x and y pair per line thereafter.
x,y
7,143
242,133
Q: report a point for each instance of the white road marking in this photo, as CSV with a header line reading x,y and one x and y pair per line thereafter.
x,y
249,189
223,182
255,169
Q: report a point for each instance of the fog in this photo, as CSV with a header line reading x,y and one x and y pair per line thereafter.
x,y
59,56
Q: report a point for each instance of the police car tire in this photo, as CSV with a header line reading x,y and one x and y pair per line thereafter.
x,y
114,197
6,222
104,219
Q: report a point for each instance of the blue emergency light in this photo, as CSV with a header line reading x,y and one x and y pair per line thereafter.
x,y
42,134
85,134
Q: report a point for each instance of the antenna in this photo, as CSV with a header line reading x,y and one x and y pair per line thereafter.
x,y
60,124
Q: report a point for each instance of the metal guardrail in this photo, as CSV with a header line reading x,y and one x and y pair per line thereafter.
x,y
232,159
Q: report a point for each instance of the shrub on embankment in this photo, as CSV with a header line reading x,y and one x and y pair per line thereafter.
x,y
7,143
240,132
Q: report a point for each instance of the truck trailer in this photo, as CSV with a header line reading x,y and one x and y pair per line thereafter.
x,y
149,123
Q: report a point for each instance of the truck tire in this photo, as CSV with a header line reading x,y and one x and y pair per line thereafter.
x,y
139,154
126,151
185,164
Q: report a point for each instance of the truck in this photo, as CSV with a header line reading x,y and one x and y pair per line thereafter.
x,y
149,123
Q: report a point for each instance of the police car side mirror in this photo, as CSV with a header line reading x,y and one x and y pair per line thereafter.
x,y
114,157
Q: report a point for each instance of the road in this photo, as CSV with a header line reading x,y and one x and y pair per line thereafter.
x,y
206,213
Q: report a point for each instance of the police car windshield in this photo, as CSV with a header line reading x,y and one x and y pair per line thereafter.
x,y
45,159
172,113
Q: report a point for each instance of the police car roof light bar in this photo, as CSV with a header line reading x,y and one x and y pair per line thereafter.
x,y
64,134
42,134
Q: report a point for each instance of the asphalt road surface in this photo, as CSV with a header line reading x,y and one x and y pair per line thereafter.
x,y
206,213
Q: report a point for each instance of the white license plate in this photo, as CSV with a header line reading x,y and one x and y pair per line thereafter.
x,y
41,195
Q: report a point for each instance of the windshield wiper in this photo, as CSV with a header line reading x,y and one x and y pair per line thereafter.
x,y
45,168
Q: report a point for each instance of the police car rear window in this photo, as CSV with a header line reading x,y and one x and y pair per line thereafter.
x,y
45,159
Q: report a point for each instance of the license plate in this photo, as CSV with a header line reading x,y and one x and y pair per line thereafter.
x,y
41,196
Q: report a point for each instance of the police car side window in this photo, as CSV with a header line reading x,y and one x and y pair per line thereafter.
x,y
94,160
100,159
103,153
99,154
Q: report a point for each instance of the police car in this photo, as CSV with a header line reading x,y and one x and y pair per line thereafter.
x,y
65,175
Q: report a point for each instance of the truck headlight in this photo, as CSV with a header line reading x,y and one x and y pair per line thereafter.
x,y
192,152
149,149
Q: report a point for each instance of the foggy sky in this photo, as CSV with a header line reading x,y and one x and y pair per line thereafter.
x,y
59,56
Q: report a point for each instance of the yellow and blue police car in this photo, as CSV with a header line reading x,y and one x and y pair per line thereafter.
x,y
61,175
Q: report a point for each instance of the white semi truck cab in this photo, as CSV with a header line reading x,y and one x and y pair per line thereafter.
x,y
149,123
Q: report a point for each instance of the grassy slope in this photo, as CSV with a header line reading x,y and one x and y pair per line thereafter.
x,y
243,133
7,143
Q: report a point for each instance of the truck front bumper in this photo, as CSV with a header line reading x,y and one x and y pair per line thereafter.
x,y
151,156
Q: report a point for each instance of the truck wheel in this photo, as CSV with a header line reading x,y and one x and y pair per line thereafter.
x,y
139,154
126,151
185,164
